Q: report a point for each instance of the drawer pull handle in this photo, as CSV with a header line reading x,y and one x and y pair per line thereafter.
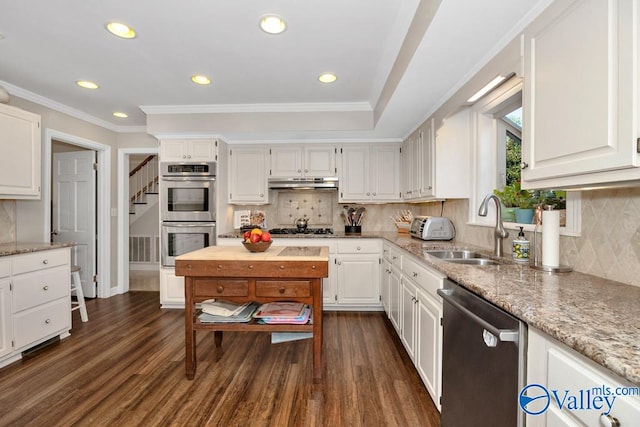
x,y
46,261
282,267
45,288
358,248
415,274
219,266
251,267
47,321
609,420
281,290
313,267
220,289
188,266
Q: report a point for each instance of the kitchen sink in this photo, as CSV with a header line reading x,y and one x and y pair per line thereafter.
x,y
454,254
463,257
473,261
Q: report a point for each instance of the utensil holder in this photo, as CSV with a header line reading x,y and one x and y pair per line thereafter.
x,y
352,229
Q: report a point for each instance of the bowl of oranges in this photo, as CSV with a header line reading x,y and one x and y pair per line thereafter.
x,y
256,240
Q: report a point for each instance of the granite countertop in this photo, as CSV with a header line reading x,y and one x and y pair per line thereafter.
x,y
597,317
594,316
16,248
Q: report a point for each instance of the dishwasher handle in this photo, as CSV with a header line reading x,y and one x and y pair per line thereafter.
x,y
505,335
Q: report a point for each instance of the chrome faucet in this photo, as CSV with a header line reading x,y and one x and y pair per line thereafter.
x,y
500,233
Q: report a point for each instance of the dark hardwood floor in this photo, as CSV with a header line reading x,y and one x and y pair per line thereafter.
x,y
126,367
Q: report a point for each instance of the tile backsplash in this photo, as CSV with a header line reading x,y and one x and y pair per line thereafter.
x,y
7,221
609,245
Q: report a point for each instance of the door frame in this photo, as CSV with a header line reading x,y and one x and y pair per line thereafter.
x,y
123,212
103,196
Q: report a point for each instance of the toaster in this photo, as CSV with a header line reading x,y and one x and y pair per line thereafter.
x,y
432,228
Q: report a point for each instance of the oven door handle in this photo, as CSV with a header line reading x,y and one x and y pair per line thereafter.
x,y
188,178
188,224
505,335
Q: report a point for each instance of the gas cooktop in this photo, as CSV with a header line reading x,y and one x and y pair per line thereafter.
x,y
300,231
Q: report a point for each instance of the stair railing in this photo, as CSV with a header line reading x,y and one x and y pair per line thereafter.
x,y
143,179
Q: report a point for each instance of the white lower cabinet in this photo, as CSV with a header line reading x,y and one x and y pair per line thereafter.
x,y
35,300
358,274
171,289
354,271
428,359
408,316
5,317
581,385
395,289
415,311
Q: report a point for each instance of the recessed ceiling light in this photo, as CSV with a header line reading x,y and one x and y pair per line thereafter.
x,y
201,80
87,84
327,78
120,114
272,24
121,30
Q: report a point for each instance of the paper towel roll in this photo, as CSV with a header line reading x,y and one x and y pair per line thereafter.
x,y
551,238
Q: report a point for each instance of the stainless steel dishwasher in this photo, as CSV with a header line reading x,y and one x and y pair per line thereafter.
x,y
483,361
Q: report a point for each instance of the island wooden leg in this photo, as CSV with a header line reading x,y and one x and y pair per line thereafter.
x,y
217,338
317,331
190,333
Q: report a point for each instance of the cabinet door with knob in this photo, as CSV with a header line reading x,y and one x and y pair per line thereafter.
x,y
247,174
370,173
188,150
358,272
309,161
581,109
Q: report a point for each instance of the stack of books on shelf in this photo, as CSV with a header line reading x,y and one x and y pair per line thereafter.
x,y
290,313
226,312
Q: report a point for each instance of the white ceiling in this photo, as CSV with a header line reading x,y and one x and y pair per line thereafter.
x,y
47,45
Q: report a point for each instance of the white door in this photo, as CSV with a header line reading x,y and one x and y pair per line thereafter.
x,y
73,211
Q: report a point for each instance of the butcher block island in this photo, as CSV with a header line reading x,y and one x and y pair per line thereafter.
x,y
235,274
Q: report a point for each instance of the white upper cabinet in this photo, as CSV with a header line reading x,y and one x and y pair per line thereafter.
x,y
581,94
370,173
248,174
189,150
20,162
295,161
425,158
436,165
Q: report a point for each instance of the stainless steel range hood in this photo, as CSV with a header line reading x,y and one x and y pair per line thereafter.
x,y
329,183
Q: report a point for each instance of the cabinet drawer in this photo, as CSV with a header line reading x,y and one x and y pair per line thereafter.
x,y
221,288
429,280
283,288
39,260
359,246
5,268
37,323
566,372
32,289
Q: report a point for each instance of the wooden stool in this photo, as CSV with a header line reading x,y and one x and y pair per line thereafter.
x,y
76,285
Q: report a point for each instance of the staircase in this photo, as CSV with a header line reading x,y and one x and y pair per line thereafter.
x,y
143,188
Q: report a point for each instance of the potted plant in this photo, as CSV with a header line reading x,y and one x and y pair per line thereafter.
x,y
509,199
527,201
558,201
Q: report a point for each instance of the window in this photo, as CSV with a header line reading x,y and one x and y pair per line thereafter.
x,y
498,151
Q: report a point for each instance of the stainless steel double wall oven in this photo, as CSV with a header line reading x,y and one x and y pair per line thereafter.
x,y
188,211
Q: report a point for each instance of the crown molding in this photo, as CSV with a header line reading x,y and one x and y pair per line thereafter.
x,y
57,106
